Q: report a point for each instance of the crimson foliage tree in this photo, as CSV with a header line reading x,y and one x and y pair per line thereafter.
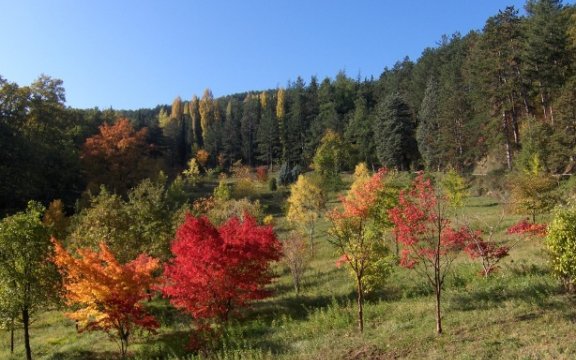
x,y
429,243
216,270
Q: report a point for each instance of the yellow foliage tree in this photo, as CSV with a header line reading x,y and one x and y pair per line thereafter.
x,y
305,205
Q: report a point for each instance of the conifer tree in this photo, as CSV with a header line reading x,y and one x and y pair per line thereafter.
x,y
394,133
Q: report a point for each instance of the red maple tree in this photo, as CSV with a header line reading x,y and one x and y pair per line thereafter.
x,y
107,294
216,270
486,250
429,243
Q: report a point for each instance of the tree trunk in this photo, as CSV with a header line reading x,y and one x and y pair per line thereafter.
x,y
360,301
507,141
12,335
26,322
438,314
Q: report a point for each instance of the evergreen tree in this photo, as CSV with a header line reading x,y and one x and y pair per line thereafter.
x,y
295,125
394,133
248,127
428,128
546,49
496,70
360,132
231,143
267,133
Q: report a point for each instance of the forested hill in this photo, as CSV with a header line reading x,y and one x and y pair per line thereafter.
x,y
507,92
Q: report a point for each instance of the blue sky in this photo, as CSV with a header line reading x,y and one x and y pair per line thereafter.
x,y
130,54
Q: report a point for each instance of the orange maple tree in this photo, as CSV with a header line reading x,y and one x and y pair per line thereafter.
x,y
113,156
107,294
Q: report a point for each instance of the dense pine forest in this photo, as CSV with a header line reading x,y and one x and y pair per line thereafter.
x,y
482,123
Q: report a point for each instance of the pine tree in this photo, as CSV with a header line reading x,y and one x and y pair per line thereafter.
x,y
248,127
360,132
231,144
428,128
394,133
267,132
546,50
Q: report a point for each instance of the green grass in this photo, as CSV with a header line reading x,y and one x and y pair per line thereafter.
x,y
519,313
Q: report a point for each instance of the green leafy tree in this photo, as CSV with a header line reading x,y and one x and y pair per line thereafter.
x,y
533,191
142,224
561,242
29,281
331,157
38,156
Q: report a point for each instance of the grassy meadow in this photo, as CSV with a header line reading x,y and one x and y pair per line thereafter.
x,y
520,312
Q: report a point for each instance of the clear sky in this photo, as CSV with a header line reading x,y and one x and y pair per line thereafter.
x,y
130,54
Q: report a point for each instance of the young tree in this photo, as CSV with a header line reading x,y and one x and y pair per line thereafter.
x,y
429,243
28,279
108,294
305,204
532,190
296,257
487,251
216,270
561,242
354,233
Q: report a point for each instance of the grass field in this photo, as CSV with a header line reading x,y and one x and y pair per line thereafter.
x,y
519,313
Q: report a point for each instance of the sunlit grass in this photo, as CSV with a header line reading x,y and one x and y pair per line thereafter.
x,y
520,312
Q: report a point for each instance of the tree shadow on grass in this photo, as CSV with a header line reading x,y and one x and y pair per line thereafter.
x,y
84,355
490,295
